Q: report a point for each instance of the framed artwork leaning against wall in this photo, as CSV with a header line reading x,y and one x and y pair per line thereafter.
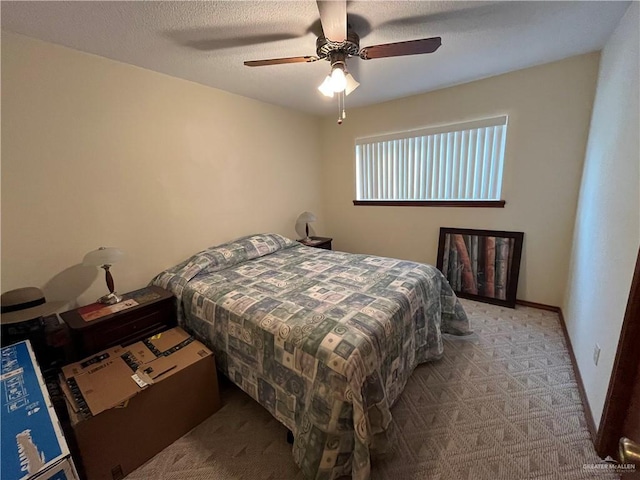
x,y
481,265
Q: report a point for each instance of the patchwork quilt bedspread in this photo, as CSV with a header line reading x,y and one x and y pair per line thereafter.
x,y
325,340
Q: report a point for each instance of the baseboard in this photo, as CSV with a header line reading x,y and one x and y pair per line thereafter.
x,y
591,425
541,306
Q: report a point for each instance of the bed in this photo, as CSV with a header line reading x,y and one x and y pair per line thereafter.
x,y
324,340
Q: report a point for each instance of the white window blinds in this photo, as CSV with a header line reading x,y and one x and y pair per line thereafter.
x,y
454,162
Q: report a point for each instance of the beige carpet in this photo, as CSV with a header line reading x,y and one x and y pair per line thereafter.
x,y
501,404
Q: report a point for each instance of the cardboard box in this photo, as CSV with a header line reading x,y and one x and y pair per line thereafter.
x,y
32,442
127,404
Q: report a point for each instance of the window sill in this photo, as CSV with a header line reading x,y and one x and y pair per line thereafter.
x,y
432,203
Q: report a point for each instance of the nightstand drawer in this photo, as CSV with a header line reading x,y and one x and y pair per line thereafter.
x,y
154,311
129,329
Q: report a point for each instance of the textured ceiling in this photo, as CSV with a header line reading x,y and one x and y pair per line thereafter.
x,y
207,42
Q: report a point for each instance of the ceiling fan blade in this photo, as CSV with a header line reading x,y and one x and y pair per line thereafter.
x,y
333,16
398,49
279,61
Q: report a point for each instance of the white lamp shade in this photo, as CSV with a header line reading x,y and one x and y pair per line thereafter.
x,y
102,256
301,223
352,84
325,88
307,217
338,79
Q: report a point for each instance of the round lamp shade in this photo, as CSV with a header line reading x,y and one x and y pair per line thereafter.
x,y
301,223
307,217
102,256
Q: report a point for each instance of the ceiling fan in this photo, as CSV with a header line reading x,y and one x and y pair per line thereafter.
x,y
338,43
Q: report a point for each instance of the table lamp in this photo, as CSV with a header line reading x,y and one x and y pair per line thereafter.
x,y
104,257
306,218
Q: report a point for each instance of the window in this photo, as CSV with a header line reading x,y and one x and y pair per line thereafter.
x,y
447,164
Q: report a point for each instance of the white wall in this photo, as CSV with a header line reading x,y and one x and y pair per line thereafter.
x,y
607,229
97,152
549,108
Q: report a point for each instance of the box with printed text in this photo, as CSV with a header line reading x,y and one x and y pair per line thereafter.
x,y
33,445
128,403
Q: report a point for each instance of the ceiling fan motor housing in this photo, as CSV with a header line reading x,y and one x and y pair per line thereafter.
x,y
349,47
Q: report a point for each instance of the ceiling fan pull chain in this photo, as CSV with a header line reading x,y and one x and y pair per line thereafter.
x,y
341,107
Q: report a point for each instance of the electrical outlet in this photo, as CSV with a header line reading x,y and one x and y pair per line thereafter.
x,y
596,354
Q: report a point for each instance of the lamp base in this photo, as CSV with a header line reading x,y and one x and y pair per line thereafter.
x,y
110,298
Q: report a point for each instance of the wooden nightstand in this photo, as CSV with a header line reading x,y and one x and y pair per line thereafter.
x,y
318,242
141,314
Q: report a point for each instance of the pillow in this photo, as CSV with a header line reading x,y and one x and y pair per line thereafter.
x,y
264,244
232,253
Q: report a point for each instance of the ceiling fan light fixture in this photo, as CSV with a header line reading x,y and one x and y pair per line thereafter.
x,y
352,84
326,88
338,78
